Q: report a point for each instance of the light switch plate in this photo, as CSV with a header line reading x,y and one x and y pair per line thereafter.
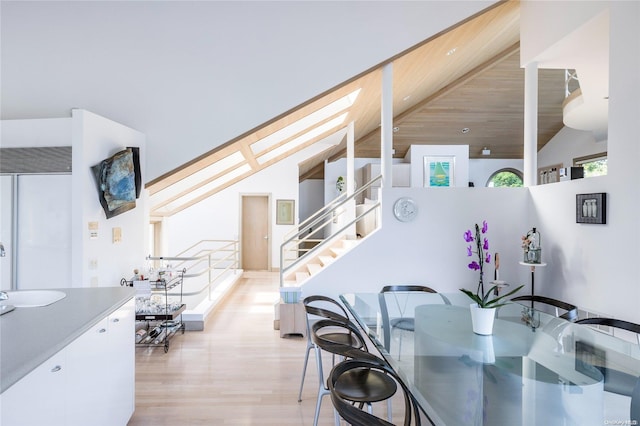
x,y
117,235
93,230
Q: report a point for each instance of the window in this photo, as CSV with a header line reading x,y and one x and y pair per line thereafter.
x,y
593,165
505,178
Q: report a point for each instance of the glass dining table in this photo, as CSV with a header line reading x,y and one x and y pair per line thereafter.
x,y
535,369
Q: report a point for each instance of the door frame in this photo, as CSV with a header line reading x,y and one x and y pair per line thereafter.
x,y
241,196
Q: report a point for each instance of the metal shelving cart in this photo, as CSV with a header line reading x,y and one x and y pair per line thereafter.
x,y
160,316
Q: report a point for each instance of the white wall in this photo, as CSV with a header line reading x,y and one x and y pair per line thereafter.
x,y
338,168
431,250
92,138
593,266
568,144
99,261
311,197
596,265
218,217
560,19
37,132
193,75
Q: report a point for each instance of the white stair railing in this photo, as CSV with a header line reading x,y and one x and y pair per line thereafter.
x,y
304,242
212,257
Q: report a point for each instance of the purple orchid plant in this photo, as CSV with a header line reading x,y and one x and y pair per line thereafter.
x,y
481,243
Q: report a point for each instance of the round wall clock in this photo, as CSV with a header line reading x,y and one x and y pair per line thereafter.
x,y
405,209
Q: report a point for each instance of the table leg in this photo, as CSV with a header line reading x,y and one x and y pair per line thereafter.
x,y
533,278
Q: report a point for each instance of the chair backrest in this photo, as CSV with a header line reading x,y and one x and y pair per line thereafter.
x,y
325,307
407,287
615,323
571,313
358,417
384,310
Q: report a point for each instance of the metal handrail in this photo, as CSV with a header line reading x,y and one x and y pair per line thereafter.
x,y
335,206
315,215
232,259
331,238
323,217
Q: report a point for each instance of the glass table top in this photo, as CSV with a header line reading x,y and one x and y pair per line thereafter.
x,y
534,369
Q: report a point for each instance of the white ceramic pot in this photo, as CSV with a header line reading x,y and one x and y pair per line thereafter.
x,y
482,319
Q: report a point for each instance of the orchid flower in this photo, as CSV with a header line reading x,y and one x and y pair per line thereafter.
x,y
468,237
481,249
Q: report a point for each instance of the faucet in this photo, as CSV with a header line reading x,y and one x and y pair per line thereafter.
x,y
4,295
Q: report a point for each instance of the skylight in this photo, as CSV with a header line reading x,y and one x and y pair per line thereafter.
x,y
203,191
306,122
316,131
200,176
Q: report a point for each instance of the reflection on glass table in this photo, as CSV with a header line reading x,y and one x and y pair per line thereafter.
x,y
547,371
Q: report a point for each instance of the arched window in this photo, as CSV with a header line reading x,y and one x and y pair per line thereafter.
x,y
505,178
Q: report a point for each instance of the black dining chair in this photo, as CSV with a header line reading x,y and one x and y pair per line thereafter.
x,y
615,323
359,368
317,307
571,311
615,381
361,387
402,322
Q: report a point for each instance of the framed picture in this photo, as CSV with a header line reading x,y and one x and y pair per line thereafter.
x,y
439,170
284,212
591,208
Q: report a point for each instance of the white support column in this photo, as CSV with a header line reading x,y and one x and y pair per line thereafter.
x,y
386,130
531,124
351,158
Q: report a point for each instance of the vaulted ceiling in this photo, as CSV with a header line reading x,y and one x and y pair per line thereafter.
x,y
467,77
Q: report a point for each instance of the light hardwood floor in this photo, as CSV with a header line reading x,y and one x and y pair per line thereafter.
x,y
237,371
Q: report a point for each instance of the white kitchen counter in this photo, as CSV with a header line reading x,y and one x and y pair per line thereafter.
x,y
30,336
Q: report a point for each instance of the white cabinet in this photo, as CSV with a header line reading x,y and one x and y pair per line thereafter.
x,y
89,382
102,371
122,359
87,370
31,400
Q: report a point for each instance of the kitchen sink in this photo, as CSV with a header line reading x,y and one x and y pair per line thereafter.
x,y
32,298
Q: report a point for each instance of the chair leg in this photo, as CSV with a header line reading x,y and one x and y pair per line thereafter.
x,y
322,387
336,417
304,368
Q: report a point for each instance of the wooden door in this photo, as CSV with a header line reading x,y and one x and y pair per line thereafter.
x,y
255,232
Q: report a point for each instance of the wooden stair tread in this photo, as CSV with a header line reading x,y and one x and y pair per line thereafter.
x,y
326,259
314,268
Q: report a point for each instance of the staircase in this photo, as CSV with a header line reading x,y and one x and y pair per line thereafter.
x,y
313,265
322,238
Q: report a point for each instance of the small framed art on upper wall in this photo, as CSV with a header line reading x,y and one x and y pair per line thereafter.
x,y
591,208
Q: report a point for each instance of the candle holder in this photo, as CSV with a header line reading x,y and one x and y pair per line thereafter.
x,y
532,247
